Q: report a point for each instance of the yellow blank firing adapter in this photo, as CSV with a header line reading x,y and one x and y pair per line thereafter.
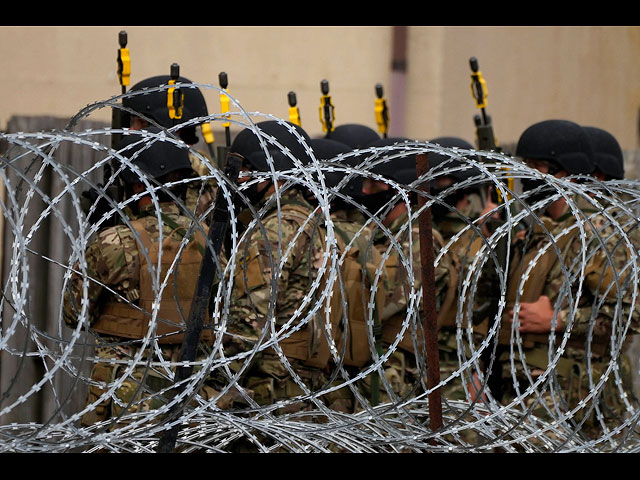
x,y
175,98
327,114
381,111
294,113
124,60
207,133
224,99
478,85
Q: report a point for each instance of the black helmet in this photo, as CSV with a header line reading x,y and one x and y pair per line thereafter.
x,y
560,141
436,159
606,152
401,169
328,149
154,104
154,156
354,135
247,145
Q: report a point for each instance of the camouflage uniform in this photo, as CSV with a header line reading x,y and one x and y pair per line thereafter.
x,y
114,262
402,371
464,249
355,245
252,309
590,318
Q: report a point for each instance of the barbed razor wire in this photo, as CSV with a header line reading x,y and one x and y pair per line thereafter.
x,y
569,393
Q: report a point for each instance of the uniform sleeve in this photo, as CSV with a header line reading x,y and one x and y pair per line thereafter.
x,y
606,297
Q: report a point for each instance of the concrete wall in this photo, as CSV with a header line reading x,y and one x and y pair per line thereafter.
x,y
586,74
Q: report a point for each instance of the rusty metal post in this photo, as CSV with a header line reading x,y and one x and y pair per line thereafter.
x,y
430,323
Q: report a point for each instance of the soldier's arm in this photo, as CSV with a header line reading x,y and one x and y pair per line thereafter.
x,y
110,272
610,282
602,296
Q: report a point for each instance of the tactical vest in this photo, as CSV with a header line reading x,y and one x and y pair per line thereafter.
x,y
125,320
309,344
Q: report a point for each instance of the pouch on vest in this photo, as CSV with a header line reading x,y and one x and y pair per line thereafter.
x,y
357,274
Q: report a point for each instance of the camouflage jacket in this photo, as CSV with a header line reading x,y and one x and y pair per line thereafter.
x,y
399,285
200,194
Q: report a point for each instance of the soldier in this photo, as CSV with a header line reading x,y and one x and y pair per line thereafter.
x,y
360,268
276,271
608,158
123,286
556,294
402,370
466,204
453,219
609,167
152,109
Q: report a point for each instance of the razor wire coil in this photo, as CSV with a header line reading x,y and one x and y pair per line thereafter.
x,y
400,424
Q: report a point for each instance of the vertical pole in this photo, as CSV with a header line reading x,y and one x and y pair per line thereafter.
x,y
430,323
398,79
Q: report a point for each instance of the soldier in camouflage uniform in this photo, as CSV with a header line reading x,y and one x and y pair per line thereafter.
x,y
453,218
467,203
277,270
609,168
361,283
121,292
402,370
548,296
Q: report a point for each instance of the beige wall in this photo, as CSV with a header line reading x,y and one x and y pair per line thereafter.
x,y
586,74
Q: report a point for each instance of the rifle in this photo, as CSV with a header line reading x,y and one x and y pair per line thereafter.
x,y
294,113
175,104
327,110
381,111
484,130
175,97
124,75
209,139
486,141
115,191
201,298
224,108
